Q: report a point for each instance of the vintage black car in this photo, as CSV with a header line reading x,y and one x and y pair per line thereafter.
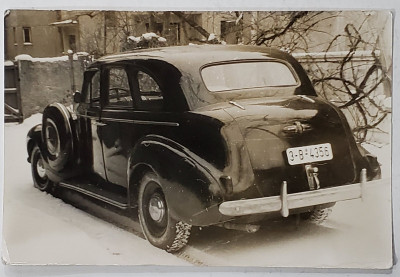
x,y
200,136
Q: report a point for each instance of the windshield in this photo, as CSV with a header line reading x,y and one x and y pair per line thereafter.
x,y
247,75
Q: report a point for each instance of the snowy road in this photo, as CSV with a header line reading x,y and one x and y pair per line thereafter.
x,y
42,229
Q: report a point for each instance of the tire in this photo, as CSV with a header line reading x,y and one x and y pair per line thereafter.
x,y
57,138
40,179
159,228
318,215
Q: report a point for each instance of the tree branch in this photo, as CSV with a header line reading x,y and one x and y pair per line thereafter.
x,y
293,20
192,23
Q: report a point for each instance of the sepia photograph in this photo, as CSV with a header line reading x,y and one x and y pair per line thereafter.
x,y
198,138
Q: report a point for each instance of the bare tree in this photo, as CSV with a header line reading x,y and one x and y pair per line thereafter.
x,y
347,68
355,83
192,23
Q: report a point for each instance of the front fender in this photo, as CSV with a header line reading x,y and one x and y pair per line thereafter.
x,y
190,184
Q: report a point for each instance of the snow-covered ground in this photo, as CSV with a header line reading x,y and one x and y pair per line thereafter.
x,y
42,229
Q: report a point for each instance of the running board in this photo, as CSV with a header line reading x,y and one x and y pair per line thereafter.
x,y
114,199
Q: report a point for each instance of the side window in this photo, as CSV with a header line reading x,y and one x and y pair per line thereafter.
x,y
93,96
150,93
119,93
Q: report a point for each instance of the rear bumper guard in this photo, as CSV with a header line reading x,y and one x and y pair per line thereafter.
x,y
285,202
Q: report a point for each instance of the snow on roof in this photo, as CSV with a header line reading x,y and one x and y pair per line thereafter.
x,y
25,57
149,36
211,37
64,22
8,63
133,38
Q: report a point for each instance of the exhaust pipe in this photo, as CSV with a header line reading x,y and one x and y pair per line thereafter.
x,y
249,228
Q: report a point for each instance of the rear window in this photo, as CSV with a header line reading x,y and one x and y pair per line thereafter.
x,y
247,75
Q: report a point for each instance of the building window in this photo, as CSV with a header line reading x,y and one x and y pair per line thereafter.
x,y
174,36
27,35
228,31
72,42
157,28
15,35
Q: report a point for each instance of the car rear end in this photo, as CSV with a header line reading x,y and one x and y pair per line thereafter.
x,y
299,148
284,142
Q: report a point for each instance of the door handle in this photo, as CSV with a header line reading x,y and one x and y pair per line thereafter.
x,y
99,123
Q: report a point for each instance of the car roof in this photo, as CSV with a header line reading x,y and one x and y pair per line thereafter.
x,y
188,61
198,55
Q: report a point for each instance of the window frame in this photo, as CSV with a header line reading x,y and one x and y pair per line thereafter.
x,y
29,29
141,105
96,103
287,64
86,97
15,35
106,84
72,40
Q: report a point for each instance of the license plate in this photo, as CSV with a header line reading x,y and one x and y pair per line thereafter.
x,y
309,154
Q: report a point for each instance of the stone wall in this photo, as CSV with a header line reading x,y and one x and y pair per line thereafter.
x,y
45,81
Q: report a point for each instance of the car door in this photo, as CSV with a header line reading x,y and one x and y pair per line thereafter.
x,y
117,131
90,111
129,118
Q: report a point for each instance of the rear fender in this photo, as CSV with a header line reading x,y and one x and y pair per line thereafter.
x,y
190,184
370,163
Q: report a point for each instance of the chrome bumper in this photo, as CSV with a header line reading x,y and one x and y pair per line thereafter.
x,y
286,202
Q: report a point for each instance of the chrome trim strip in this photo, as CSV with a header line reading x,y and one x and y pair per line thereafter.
x,y
88,116
94,195
63,110
99,123
149,122
305,97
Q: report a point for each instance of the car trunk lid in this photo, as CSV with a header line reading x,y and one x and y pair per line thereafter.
x,y
271,126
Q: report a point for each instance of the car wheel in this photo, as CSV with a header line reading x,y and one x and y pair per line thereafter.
x,y
317,216
159,228
57,138
40,179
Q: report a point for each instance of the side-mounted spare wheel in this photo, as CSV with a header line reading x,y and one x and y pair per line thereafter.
x,y
57,135
160,229
40,178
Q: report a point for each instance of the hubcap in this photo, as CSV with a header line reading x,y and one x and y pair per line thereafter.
x,y
156,208
40,168
52,137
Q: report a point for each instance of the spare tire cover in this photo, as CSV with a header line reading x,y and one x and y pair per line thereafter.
x,y
57,136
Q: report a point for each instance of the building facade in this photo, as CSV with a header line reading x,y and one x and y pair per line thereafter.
x,y
30,32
